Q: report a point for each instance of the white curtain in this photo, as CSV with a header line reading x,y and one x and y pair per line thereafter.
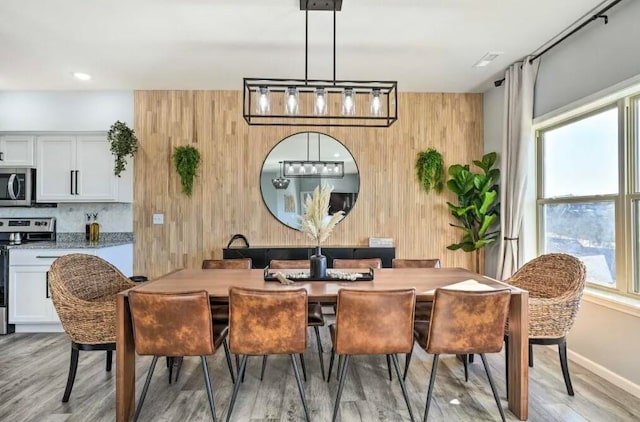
x,y
517,144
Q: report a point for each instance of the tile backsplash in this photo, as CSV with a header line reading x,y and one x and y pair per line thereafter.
x,y
116,217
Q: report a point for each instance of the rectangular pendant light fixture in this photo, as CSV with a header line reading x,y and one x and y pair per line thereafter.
x,y
316,102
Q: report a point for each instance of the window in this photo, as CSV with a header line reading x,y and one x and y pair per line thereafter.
x,y
589,193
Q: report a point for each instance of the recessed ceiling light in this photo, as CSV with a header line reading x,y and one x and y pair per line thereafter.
x,y
82,76
487,58
337,154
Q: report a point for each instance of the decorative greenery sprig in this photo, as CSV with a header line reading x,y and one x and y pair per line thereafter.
x,y
314,222
123,144
429,169
186,160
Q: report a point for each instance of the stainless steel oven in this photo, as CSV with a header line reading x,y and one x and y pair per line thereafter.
x,y
17,187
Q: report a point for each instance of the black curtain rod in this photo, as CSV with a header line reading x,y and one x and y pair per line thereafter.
x,y
598,15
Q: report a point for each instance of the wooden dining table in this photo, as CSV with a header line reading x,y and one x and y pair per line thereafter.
x,y
424,280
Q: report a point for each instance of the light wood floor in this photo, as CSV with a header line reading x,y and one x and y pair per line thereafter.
x,y
33,371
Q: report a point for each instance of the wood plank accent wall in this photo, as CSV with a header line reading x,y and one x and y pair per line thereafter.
x,y
227,200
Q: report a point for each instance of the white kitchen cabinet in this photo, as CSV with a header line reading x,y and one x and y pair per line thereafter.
x,y
30,305
30,301
17,151
79,168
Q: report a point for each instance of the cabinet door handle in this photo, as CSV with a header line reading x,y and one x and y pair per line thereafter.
x,y
48,256
1,156
77,171
47,285
71,183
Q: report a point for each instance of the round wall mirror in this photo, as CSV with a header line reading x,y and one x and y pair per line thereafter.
x,y
299,163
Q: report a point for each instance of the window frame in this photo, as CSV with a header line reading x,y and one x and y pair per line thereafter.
x,y
627,268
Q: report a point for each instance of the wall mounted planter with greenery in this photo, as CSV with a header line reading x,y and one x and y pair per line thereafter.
x,y
123,144
478,208
430,170
186,160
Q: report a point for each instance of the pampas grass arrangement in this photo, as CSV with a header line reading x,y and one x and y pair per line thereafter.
x,y
314,222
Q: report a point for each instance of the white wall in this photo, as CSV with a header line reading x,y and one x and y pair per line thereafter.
x,y
64,110
493,132
595,58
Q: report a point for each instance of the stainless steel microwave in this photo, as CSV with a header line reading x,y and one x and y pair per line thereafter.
x,y
17,187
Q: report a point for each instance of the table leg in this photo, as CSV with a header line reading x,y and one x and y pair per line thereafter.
x,y
519,355
125,361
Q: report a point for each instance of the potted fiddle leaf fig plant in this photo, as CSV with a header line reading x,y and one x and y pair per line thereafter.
x,y
478,207
186,160
123,144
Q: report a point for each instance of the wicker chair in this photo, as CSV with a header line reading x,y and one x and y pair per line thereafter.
x,y
83,289
555,283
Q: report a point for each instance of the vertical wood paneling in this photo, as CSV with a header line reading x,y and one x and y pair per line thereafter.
x,y
227,200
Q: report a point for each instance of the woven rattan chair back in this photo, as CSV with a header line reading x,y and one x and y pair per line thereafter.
x,y
83,289
555,283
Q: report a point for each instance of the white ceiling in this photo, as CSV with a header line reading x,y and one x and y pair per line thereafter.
x,y
426,45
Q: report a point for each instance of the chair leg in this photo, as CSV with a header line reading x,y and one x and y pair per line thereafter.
x,y
241,368
170,366
530,355
432,381
394,358
145,388
465,361
317,330
304,367
341,379
389,367
73,367
264,365
562,350
109,360
237,364
229,364
300,386
493,387
320,351
178,361
333,355
407,360
207,383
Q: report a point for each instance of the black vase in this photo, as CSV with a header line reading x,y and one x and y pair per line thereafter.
x,y
318,265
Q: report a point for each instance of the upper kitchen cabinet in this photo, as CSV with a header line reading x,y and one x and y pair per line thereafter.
x,y
79,168
17,151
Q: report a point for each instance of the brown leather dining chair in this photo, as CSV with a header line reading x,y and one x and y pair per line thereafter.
x,y
357,263
315,317
175,324
267,322
219,309
372,323
423,309
464,322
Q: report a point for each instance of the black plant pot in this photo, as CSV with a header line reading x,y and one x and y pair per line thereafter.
x,y
318,265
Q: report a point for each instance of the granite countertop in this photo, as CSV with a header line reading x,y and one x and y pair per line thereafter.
x,y
77,241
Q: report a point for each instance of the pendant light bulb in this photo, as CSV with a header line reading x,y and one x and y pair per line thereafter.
x,y
320,102
262,105
348,102
376,103
291,102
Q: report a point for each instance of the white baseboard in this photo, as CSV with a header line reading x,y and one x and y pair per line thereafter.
x,y
615,379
